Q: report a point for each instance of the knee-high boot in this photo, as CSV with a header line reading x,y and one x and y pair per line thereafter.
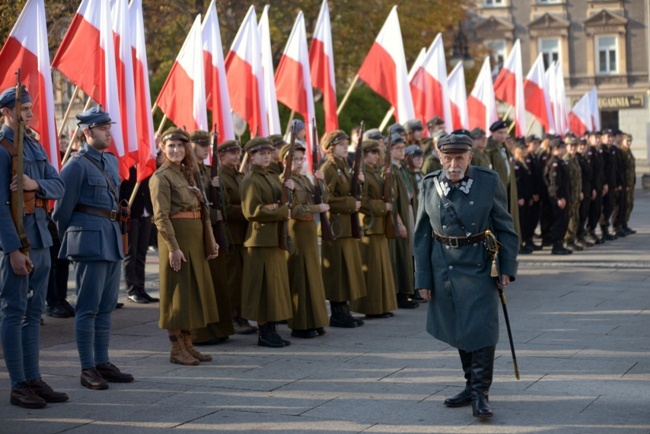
x,y
482,371
465,396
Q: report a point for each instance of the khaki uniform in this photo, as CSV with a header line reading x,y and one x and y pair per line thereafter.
x,y
431,163
341,258
501,162
573,204
480,158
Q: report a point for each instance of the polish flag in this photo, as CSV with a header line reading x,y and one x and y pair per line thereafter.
x,y
537,95
245,78
509,87
558,100
595,110
182,97
384,68
87,57
429,86
417,63
26,48
125,84
481,106
293,79
146,159
216,84
458,98
321,62
580,115
270,100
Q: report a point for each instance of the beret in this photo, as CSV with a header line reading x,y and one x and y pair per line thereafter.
x,y
532,138
396,138
498,125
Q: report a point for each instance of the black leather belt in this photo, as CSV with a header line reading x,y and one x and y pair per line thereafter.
x,y
99,212
459,241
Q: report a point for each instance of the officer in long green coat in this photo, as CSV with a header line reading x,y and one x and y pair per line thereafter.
x,y
453,267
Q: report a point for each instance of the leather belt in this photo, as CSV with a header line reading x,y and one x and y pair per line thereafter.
x,y
309,218
38,203
110,214
459,241
186,215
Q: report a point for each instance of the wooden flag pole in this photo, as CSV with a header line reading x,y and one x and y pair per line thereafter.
x,y
512,125
389,113
69,150
135,192
530,126
507,114
153,109
162,124
67,111
293,113
347,95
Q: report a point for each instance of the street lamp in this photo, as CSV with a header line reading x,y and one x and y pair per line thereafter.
x,y
461,50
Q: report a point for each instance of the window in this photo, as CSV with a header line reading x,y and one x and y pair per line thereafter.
x,y
550,49
493,3
607,54
498,48
549,2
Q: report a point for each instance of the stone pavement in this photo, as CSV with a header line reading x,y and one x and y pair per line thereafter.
x,y
581,328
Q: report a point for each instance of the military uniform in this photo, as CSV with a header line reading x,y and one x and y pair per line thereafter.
x,y
558,186
525,188
587,187
594,155
608,154
501,162
573,203
480,158
431,162
630,174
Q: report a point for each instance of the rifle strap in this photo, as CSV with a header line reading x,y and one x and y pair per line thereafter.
x,y
110,184
8,146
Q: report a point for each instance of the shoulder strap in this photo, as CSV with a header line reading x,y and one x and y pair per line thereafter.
x,y
7,145
450,208
110,184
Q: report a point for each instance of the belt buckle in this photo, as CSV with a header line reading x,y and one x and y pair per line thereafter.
x,y
113,216
453,242
197,214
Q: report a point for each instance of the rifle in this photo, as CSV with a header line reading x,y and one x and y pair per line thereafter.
x,y
355,185
286,243
18,170
325,227
216,197
391,217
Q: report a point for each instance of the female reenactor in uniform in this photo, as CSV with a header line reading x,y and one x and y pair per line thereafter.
x,y
377,271
265,288
187,299
305,280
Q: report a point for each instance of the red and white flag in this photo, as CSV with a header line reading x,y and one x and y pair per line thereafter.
x,y
580,115
429,86
293,79
146,160
537,96
94,71
26,48
270,100
245,78
216,84
384,69
509,87
458,98
321,63
557,96
595,109
481,106
182,97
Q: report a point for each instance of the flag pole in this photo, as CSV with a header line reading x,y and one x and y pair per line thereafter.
x,y
293,113
162,124
389,113
153,109
69,150
507,114
135,191
512,125
67,111
530,126
347,95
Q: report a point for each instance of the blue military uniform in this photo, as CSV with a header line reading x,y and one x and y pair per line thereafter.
x,y
22,297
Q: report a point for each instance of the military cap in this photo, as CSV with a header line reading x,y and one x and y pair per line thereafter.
x,y
258,144
174,133
594,133
413,151
532,138
413,125
228,145
455,143
434,121
297,146
556,143
277,140
607,131
396,138
570,139
94,117
396,128
373,134
477,133
200,137
298,125
582,141
370,145
8,97
498,125
617,132
462,131
334,138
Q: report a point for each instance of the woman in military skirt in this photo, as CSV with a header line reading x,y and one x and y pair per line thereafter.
x,y
187,299
377,270
305,279
265,288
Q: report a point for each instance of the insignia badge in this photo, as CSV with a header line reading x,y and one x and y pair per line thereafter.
x,y
445,187
466,186
554,164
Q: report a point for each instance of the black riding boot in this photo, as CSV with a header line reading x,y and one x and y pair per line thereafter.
x,y
465,397
339,318
274,331
268,337
482,370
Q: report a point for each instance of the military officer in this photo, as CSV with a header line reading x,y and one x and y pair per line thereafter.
x,y
556,176
575,180
23,272
459,204
87,218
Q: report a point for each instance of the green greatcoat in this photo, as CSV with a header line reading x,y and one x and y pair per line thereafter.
x,y
479,158
431,163
305,279
265,286
377,270
575,179
500,163
341,258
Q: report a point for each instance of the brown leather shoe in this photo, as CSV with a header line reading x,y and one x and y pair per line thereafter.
x,y
42,389
24,397
112,373
92,379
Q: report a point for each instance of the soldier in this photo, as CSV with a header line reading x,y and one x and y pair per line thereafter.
x,y
459,204
608,154
413,157
24,269
479,142
397,129
630,175
276,167
546,212
87,218
341,258
532,160
620,202
414,132
573,205
375,134
599,183
436,126
588,190
525,187
556,176
430,150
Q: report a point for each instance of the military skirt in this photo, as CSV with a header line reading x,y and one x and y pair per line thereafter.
x,y
187,298
341,268
305,280
265,286
401,258
235,265
378,275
